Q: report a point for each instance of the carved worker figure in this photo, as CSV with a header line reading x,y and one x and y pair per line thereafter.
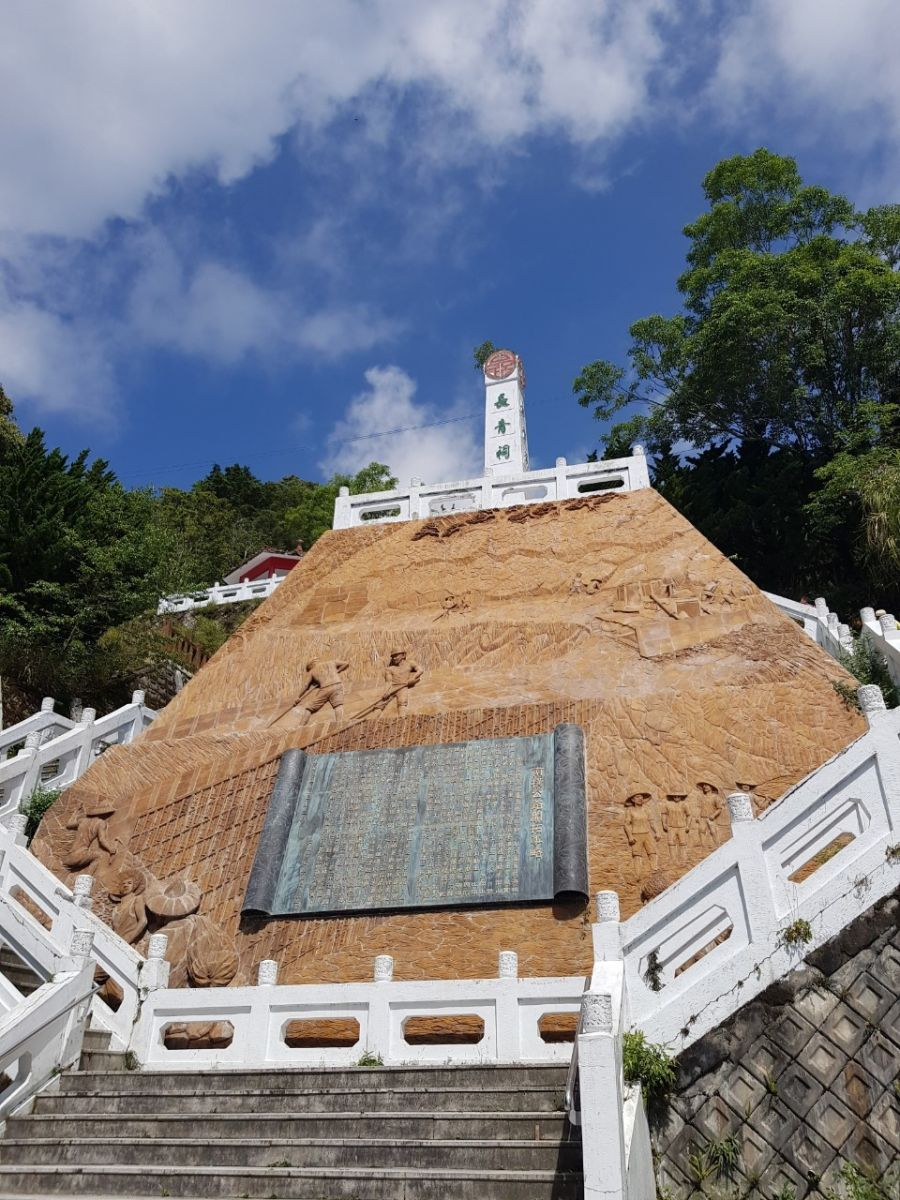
x,y
400,675
93,847
641,830
709,810
323,686
676,825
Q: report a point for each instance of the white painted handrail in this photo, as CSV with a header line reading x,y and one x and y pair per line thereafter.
x,y
510,1009
563,482
44,950
736,922
46,723
57,760
825,628
220,593
43,1034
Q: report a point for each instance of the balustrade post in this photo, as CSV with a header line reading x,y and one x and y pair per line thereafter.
x,y
137,724
887,746
84,885
641,470
267,973
85,755
378,1033
18,828
509,1049
48,704
760,906
30,757
154,972
601,1089
607,930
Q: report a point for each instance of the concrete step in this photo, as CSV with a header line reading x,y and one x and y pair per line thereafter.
x,y
108,1062
316,1079
96,1039
490,1155
297,1183
110,1098
18,973
519,1126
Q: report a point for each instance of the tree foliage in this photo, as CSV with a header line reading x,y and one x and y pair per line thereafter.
x,y
82,557
770,401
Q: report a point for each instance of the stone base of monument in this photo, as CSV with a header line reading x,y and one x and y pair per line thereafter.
x,y
483,1133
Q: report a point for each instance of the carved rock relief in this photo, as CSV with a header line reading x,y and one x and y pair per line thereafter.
x,y
138,903
749,703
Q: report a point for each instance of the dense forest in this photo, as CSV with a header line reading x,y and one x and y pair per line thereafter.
x,y
84,561
769,405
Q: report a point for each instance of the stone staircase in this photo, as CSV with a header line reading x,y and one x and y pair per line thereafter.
x,y
419,1133
17,972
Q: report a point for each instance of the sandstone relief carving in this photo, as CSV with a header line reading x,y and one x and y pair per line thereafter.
x,y
585,587
444,527
453,604
93,847
685,823
400,675
675,822
642,830
200,953
322,685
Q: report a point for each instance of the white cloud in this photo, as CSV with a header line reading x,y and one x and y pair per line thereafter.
x,y
105,102
54,363
440,452
832,63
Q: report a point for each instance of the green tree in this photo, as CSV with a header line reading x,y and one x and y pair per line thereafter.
x,y
772,395
313,513
10,434
482,353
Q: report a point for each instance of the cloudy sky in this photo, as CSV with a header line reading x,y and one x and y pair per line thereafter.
x,y
271,231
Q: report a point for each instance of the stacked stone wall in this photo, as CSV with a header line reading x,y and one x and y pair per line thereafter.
x,y
798,1083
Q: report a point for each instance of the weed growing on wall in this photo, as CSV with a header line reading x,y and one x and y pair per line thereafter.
x,y
798,933
652,1067
35,806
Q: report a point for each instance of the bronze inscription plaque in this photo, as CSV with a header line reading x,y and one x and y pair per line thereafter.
x,y
470,823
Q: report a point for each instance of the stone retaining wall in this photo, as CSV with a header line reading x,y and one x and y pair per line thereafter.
x,y
798,1082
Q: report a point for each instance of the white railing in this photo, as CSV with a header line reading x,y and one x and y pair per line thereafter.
x,y
562,482
56,750
219,593
739,921
67,912
825,628
43,1034
508,1008
884,636
45,723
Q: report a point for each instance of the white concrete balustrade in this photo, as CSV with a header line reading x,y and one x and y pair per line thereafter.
x,y
738,921
219,593
67,912
509,1008
43,1033
562,482
55,751
827,631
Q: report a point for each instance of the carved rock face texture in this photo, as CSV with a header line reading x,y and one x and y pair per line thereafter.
x,y
687,682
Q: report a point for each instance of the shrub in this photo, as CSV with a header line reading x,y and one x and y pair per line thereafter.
x,y
35,806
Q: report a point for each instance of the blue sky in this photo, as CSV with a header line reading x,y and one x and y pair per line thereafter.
x,y
269,231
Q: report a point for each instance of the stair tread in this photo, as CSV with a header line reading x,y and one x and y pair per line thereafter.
x,y
411,1143
449,1174
393,1114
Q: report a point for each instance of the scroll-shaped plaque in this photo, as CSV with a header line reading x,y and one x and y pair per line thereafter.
x,y
483,822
